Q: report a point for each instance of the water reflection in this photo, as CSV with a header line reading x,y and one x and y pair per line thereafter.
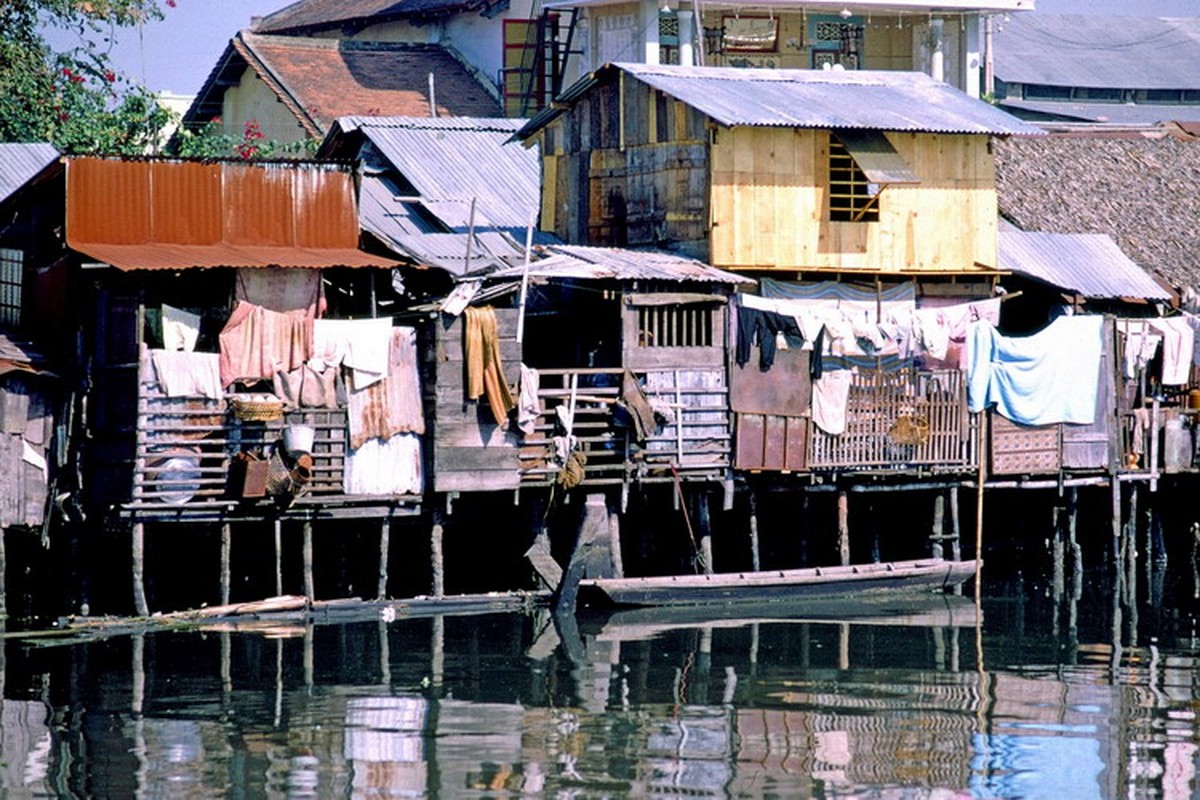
x,y
899,700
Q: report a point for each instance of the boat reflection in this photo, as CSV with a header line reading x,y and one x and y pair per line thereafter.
x,y
899,699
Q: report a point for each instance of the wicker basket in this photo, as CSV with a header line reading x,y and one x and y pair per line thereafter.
x,y
256,407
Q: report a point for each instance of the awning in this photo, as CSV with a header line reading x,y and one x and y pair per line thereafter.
x,y
876,157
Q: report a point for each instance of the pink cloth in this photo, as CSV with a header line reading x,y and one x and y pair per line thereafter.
x,y
255,340
392,405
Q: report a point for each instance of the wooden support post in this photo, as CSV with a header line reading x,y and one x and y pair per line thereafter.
x,y
308,656
938,531
226,546
593,525
1073,541
955,528
438,565
3,567
278,558
752,503
614,540
385,532
704,526
981,451
309,589
843,526
1115,487
1057,557
139,570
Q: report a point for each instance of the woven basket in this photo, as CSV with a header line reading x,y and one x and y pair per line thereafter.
x,y
257,408
909,429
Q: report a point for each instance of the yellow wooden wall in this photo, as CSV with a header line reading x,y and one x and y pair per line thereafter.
x,y
768,206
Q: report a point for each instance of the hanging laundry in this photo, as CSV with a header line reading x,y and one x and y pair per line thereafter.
x,y
529,407
485,370
1178,341
830,398
282,290
186,374
391,405
180,329
1141,345
1049,377
254,340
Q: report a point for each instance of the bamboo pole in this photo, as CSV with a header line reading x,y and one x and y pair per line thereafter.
x,y
278,557
139,570
226,546
385,530
309,590
843,526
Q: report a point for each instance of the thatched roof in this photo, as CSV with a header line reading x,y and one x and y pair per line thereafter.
x,y
1138,188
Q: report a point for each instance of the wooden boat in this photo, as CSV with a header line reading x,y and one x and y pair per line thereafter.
x,y
745,587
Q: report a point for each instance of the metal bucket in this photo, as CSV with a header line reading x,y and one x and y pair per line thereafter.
x,y
298,439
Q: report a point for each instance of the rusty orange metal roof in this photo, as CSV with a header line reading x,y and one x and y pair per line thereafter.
x,y
173,214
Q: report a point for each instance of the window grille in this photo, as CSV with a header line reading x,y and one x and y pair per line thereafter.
x,y
675,326
852,198
12,264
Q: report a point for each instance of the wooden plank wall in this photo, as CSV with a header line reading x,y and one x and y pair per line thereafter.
x,y
768,206
634,176
470,452
25,422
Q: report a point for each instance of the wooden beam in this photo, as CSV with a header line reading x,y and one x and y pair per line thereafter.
x,y
139,570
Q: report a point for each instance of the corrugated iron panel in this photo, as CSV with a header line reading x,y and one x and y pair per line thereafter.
x,y
1113,113
881,100
450,161
600,263
876,157
1089,264
21,163
182,214
1099,51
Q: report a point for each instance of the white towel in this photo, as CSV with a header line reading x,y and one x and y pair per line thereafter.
x,y
361,345
831,393
180,329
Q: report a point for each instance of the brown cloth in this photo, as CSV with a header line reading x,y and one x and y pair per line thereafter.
x,y
638,406
255,341
392,405
485,371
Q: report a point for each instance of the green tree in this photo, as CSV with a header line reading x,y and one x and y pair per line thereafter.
x,y
71,97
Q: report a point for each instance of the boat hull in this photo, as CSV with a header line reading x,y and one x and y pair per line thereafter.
x,y
741,587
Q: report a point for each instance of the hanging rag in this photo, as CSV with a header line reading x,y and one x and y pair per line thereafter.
x,y
1048,377
528,406
485,370
180,329
830,397
282,290
392,405
1178,340
634,399
360,345
254,340
187,374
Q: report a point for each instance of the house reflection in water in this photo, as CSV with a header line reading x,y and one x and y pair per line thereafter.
x,y
500,705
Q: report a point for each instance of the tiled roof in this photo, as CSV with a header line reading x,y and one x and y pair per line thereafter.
x,y
323,79
1138,189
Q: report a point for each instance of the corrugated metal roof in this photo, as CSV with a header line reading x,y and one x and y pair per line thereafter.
x,y
803,98
151,214
1099,51
1089,264
609,263
450,161
1120,113
21,163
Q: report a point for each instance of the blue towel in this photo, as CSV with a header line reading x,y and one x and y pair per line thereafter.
x,y
1048,377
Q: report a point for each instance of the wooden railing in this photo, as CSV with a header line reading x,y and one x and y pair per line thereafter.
x,y
901,419
186,446
695,444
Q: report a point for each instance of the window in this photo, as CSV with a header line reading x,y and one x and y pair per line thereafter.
x,y
675,326
852,198
1037,91
12,264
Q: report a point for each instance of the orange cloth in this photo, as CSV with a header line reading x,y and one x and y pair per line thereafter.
x,y
485,371
255,340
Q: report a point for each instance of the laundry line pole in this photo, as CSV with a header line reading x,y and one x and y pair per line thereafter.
x,y
525,276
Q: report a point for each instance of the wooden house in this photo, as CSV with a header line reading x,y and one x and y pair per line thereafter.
x,y
34,379
241,362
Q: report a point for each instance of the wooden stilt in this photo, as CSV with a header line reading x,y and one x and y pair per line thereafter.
x,y
385,656
226,546
1115,487
955,527
593,525
3,567
1073,541
614,540
309,589
226,665
438,565
981,452
437,652
385,532
278,558
752,503
139,567
307,655
704,529
1058,582
938,530
843,526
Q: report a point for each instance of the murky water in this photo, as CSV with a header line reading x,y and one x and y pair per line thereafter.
x,y
1068,699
